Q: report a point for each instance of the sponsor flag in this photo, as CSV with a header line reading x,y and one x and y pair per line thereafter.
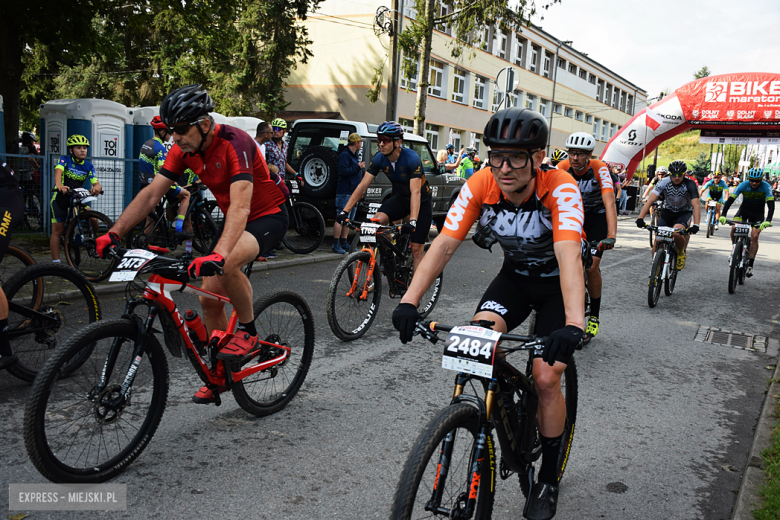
x,y
652,119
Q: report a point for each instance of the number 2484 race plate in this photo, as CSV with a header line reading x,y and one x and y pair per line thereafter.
x,y
470,349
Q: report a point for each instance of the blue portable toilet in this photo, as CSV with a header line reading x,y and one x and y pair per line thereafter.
x,y
142,132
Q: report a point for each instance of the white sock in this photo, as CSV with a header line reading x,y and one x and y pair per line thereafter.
x,y
56,261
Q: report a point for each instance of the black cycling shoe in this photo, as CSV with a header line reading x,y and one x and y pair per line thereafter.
x,y
8,361
542,502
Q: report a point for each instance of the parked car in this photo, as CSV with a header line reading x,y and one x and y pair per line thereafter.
x,y
314,147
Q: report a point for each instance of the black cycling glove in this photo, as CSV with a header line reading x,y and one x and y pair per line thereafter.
x,y
405,318
562,341
342,217
640,223
409,227
693,229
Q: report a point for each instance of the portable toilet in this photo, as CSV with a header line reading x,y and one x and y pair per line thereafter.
x,y
247,124
106,124
142,132
219,118
2,127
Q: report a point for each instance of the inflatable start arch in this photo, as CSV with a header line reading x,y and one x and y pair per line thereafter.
x,y
732,102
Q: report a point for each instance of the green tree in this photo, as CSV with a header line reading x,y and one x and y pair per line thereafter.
x,y
470,21
702,73
701,167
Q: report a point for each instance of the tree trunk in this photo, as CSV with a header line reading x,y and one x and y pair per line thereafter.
x,y
425,75
11,84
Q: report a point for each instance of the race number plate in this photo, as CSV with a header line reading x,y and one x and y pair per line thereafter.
x,y
665,231
470,349
130,264
294,187
711,204
741,229
372,209
368,232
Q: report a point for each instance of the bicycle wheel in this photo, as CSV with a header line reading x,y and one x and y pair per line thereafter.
x,y
349,315
205,229
15,260
710,223
47,304
80,237
78,431
569,387
283,318
654,283
672,278
307,229
653,222
736,257
429,469
743,260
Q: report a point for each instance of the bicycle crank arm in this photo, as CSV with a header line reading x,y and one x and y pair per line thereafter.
x,y
29,313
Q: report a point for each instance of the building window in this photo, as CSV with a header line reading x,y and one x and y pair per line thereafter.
x,y
558,108
499,43
518,51
459,86
614,98
578,115
412,84
530,101
591,79
596,124
583,74
630,105
568,112
498,98
598,92
604,130
572,69
443,11
432,135
622,102
515,98
456,138
408,125
436,76
544,106
561,63
479,92
612,130
546,66
476,142
607,92
534,58
588,118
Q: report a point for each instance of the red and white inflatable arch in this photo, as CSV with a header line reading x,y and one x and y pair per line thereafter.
x,y
726,102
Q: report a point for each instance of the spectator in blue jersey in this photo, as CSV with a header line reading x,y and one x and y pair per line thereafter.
x,y
70,173
350,175
451,157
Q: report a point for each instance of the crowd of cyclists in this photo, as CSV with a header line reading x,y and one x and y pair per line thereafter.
x,y
554,221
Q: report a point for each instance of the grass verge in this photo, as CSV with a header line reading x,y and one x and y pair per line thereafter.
x,y
770,492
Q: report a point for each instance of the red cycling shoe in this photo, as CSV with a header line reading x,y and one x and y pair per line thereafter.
x,y
205,395
239,346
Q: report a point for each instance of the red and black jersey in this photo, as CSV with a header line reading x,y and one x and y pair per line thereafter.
x,y
232,156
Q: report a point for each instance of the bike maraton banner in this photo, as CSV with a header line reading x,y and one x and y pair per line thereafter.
x,y
728,101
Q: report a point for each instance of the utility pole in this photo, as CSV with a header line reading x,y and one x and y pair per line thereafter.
x,y
655,157
555,82
392,80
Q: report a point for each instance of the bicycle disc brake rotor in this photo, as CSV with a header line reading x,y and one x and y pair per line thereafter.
x,y
109,405
48,333
267,352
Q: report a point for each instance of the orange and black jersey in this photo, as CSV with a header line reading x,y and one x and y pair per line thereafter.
x,y
526,233
595,181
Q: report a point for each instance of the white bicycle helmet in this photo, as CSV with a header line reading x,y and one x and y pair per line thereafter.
x,y
580,141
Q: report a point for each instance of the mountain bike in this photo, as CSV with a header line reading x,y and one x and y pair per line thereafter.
x,y
156,233
711,221
307,226
47,303
451,470
356,287
89,427
14,260
82,228
664,269
740,253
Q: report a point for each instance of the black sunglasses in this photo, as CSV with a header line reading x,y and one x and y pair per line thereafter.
x,y
278,128
183,128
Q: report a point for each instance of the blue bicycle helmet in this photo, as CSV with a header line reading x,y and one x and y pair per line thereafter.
x,y
755,173
391,129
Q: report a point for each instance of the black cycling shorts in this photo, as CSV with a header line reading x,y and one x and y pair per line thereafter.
x,y
513,296
749,217
595,229
397,207
11,214
668,218
268,230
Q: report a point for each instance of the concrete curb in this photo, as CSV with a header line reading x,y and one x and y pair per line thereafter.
x,y
748,498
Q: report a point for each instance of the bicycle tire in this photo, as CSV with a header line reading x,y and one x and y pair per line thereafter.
x,y
49,289
14,260
745,258
734,267
205,229
309,232
653,222
710,224
421,471
80,253
672,278
654,282
274,318
72,436
349,317
570,394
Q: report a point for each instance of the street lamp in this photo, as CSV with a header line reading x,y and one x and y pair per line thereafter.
x,y
555,82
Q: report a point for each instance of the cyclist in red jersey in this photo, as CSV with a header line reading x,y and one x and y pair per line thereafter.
x,y
228,162
537,217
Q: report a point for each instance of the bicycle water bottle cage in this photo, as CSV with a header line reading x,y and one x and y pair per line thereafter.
x,y
484,236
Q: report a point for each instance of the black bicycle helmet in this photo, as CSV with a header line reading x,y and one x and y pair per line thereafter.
x,y
516,127
185,105
678,167
391,129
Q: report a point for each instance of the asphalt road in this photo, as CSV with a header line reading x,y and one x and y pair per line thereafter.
x,y
664,422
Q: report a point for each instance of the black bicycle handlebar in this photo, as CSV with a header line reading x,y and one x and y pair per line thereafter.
x,y
732,222
428,329
682,231
163,262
